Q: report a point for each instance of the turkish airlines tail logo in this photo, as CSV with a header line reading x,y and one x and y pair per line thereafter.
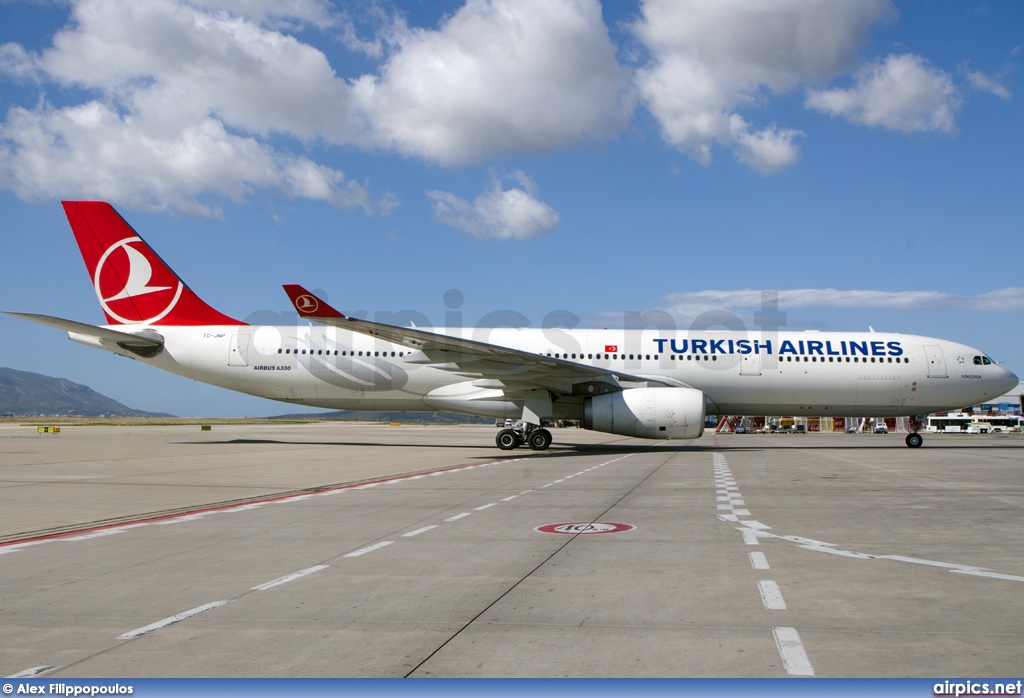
x,y
307,304
132,283
140,273
127,268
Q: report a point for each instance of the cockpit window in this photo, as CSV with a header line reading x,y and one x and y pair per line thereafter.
x,y
983,361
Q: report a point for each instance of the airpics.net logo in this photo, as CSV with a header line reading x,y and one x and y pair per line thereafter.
x,y
133,285
968,688
629,343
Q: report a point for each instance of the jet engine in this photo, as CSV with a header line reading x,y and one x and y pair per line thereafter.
x,y
649,413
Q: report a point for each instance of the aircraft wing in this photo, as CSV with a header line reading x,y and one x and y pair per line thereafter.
x,y
493,366
125,339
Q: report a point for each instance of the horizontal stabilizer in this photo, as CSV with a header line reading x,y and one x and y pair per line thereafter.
x,y
125,339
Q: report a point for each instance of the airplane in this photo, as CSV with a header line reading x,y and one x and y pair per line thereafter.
x,y
650,383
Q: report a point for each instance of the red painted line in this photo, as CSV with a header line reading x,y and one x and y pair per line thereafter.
x,y
227,507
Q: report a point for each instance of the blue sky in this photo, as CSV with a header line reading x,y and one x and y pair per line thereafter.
x,y
863,159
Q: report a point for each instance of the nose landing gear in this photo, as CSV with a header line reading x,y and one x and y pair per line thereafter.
x,y
914,439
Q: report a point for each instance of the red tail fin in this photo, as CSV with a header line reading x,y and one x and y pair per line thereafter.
x,y
132,283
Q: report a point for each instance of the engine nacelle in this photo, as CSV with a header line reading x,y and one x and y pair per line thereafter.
x,y
649,413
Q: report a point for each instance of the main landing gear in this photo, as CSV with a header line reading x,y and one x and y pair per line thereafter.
x,y
535,437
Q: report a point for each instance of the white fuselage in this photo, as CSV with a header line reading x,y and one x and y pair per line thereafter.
x,y
741,373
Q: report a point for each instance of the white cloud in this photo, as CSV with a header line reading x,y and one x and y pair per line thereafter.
x,y
711,58
181,99
171,64
90,151
499,76
16,62
168,77
188,100
903,93
768,150
693,303
986,83
498,213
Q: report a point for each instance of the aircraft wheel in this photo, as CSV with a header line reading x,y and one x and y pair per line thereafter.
x,y
507,440
540,439
914,440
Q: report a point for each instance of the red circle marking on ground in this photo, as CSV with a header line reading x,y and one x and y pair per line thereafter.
x,y
584,528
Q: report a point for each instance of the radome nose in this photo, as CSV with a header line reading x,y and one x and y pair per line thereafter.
x,y
1009,382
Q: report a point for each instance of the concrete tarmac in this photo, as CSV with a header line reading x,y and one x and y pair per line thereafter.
x,y
367,550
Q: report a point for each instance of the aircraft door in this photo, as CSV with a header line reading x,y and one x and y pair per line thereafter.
x,y
936,361
750,365
238,352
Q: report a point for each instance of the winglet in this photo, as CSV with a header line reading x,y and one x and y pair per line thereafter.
x,y
308,305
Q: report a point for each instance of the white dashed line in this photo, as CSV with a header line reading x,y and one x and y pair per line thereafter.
x,y
290,577
992,575
418,531
771,595
758,561
931,563
98,534
485,506
180,519
459,516
30,673
509,499
368,549
139,632
794,658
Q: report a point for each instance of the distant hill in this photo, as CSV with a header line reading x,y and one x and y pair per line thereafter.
x,y
33,394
